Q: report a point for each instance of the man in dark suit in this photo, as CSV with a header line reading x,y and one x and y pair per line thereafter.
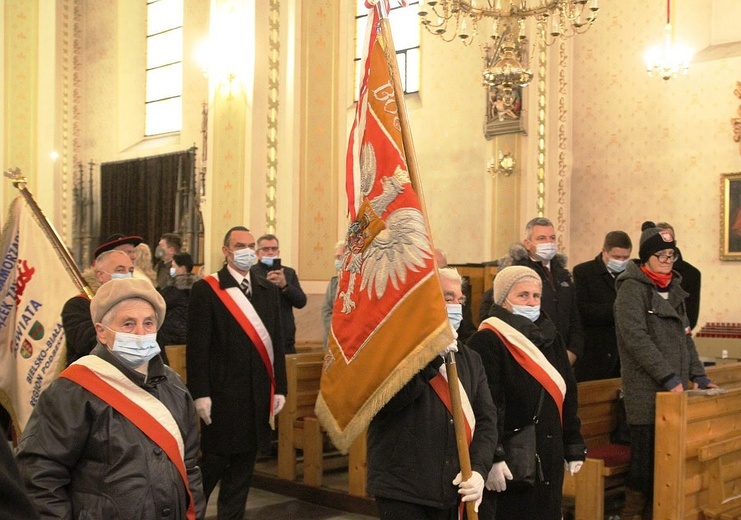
x,y
691,279
595,297
236,369
285,279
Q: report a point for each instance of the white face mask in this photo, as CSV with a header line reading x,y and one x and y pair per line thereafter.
x,y
545,251
455,314
616,266
121,276
172,272
244,258
526,311
134,350
338,264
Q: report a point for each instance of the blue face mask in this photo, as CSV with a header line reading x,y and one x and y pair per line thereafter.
x,y
455,314
134,350
268,260
531,313
121,276
616,266
172,272
244,258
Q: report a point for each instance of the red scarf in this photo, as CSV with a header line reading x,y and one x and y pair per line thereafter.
x,y
662,281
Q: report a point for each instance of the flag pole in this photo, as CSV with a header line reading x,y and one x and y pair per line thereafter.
x,y
19,182
387,44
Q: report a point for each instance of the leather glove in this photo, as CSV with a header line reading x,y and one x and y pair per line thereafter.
x,y
472,489
499,474
203,407
279,401
573,467
453,347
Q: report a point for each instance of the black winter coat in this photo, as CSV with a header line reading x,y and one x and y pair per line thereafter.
x,y
558,301
515,393
595,296
412,453
176,296
222,363
80,458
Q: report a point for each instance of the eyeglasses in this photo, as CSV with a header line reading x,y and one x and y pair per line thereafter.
x,y
667,259
269,249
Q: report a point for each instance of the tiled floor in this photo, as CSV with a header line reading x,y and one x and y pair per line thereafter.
x,y
264,505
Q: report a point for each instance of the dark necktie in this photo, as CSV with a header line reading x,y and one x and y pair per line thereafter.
x,y
548,273
245,286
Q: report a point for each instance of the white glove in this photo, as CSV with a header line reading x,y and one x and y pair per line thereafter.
x,y
499,474
573,467
472,489
203,407
279,401
453,347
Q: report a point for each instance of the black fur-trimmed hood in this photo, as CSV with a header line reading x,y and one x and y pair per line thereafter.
x,y
518,255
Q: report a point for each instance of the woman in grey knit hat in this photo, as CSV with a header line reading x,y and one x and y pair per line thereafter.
x,y
657,353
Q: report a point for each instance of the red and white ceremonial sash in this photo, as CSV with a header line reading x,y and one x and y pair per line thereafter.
x,y
440,384
241,308
530,358
136,404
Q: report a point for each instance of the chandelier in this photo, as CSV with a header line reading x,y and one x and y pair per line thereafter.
x,y
671,59
500,24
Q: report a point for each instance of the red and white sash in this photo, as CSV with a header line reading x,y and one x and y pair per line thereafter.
x,y
241,308
530,358
138,406
439,383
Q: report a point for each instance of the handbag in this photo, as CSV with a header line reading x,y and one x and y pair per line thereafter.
x,y
521,453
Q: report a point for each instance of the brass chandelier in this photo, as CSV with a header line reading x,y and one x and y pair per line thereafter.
x,y
501,25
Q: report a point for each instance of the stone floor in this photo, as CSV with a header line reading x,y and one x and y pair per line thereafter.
x,y
264,505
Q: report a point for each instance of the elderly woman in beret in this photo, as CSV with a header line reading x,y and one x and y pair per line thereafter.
x,y
529,374
115,436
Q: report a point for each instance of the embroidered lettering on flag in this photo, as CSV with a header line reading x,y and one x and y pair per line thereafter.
x,y
389,316
34,286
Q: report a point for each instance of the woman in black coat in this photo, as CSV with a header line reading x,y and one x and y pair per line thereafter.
x,y
517,327
177,296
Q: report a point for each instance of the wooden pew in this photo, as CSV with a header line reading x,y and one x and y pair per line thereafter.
x,y
176,359
606,463
698,456
298,427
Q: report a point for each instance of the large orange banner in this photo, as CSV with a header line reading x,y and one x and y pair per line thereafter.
x,y
389,318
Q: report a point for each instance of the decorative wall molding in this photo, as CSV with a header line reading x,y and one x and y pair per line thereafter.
x,y
736,121
562,199
271,173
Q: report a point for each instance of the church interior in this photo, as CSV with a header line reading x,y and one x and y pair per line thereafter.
x,y
267,100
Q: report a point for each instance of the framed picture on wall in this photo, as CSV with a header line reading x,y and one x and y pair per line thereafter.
x,y
730,216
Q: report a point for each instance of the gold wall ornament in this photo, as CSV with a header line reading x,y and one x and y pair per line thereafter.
x,y
736,121
504,165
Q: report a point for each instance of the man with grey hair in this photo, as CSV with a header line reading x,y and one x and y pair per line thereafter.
x,y
331,293
538,251
78,327
116,434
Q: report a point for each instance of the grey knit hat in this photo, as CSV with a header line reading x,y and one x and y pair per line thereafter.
x,y
508,277
653,240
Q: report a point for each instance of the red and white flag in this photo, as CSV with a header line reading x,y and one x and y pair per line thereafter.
x,y
34,285
389,318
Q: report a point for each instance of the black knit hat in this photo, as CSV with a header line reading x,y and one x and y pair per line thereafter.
x,y
653,240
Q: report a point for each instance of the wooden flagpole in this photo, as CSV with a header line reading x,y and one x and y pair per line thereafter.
x,y
19,181
387,44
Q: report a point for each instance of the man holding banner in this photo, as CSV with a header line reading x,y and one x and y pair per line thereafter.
x,y
413,468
